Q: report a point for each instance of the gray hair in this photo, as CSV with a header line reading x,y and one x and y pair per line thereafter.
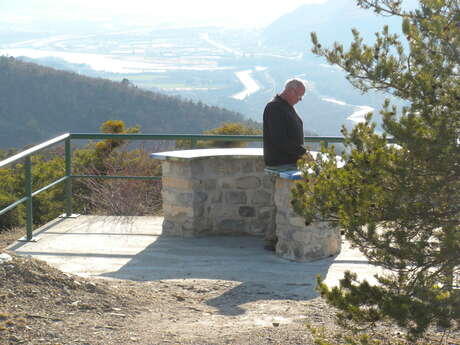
x,y
294,84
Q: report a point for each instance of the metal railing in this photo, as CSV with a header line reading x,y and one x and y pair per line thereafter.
x,y
68,177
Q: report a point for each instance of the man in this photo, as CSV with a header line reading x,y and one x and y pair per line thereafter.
x,y
283,136
283,128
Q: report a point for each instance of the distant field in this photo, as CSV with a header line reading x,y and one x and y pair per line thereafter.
x,y
148,80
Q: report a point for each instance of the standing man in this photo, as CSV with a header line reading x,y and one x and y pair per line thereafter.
x,y
283,128
283,137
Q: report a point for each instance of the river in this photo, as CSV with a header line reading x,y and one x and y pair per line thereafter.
x,y
250,85
358,115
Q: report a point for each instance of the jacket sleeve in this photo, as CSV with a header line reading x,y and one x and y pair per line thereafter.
x,y
278,128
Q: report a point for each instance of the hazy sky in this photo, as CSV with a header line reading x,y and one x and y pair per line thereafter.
x,y
229,12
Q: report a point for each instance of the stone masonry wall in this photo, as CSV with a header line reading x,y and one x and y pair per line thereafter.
x,y
217,195
296,241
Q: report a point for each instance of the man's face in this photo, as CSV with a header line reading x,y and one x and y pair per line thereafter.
x,y
297,94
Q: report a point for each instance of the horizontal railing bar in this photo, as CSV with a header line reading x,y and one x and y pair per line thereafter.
x,y
327,139
62,179
158,178
34,149
192,136
13,205
165,136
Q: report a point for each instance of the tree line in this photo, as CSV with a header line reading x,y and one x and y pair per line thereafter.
x,y
37,103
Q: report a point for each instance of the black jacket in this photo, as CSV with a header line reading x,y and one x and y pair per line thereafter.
x,y
283,133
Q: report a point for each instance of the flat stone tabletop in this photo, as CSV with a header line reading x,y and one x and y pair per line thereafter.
x,y
207,153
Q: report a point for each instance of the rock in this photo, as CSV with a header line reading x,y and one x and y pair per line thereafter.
x,y
5,258
179,298
15,339
233,197
248,182
91,287
246,211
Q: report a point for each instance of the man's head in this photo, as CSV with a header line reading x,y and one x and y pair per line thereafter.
x,y
294,89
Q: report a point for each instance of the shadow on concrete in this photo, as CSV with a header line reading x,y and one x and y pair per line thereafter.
x,y
262,274
133,249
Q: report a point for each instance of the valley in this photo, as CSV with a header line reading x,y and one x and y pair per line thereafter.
x,y
230,68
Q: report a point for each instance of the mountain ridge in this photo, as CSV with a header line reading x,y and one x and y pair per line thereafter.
x,y
332,21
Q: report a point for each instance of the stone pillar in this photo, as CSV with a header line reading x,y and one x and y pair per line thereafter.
x,y
217,195
297,241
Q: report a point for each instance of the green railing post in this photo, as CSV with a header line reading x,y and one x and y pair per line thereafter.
x,y
68,181
28,191
193,143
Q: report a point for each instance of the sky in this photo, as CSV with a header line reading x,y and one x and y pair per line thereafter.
x,y
236,13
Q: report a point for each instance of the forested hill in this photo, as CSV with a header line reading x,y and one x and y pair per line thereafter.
x,y
37,103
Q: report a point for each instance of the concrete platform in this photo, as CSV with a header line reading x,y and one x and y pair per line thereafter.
x,y
133,248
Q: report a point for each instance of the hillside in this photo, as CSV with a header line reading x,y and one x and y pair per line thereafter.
x,y
37,103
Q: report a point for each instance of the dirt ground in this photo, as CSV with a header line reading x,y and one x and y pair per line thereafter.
x,y
42,305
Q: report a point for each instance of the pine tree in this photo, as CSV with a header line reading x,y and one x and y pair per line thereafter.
x,y
399,204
